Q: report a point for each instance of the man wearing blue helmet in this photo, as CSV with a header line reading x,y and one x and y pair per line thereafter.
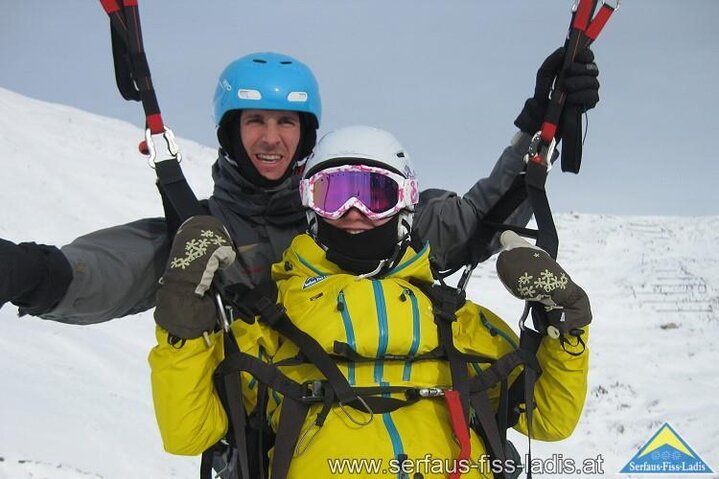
x,y
267,94
267,108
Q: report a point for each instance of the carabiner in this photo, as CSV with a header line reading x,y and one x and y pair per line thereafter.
x,y
538,153
615,7
172,147
224,320
304,441
464,279
367,409
523,318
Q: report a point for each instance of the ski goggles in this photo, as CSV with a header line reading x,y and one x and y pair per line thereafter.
x,y
376,192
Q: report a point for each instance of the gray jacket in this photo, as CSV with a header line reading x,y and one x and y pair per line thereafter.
x,y
116,270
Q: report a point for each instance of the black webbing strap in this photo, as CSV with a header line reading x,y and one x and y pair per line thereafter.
x,y
494,426
446,300
489,429
501,369
536,179
496,217
292,417
530,379
276,317
132,71
229,387
174,187
206,462
529,342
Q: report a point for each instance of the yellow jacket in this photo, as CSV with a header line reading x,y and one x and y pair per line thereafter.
x,y
376,318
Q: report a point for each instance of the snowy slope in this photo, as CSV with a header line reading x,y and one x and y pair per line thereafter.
x,y
75,401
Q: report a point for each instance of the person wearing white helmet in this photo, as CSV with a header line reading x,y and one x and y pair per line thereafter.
x,y
363,235
354,363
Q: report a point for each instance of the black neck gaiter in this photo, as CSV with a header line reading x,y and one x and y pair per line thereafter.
x,y
359,253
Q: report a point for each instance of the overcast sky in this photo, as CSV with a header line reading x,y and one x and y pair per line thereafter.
x,y
447,78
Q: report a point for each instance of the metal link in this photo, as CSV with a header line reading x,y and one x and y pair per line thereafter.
x,y
537,149
172,148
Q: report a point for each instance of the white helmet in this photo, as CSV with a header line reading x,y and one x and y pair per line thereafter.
x,y
360,143
368,146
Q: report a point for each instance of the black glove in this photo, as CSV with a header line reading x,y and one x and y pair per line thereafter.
x,y
529,273
581,86
33,276
201,247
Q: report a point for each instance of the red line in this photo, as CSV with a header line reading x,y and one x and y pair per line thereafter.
x,y
110,6
584,12
599,21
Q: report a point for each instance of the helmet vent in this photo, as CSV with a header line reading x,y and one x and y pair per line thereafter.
x,y
286,62
259,60
400,154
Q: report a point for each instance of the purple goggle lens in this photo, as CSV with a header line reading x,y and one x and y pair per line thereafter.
x,y
378,192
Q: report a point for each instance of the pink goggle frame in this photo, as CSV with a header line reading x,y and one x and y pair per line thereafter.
x,y
317,190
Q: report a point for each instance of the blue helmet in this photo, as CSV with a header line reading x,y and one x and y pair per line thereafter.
x,y
267,81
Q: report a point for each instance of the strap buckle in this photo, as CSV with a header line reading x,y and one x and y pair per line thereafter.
x,y
313,391
148,147
539,152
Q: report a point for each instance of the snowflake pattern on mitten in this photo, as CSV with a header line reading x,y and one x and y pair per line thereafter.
x,y
195,248
530,288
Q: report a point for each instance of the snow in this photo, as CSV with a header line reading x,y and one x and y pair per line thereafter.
x,y
76,401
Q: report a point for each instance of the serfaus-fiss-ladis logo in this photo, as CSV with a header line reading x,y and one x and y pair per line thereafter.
x,y
666,453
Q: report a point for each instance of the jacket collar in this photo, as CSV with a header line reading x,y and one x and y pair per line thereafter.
x,y
306,259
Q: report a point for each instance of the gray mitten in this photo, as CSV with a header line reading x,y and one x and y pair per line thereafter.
x,y
201,247
529,273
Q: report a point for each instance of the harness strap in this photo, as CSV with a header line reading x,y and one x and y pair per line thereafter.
x,y
206,462
276,317
174,188
490,431
446,301
530,379
501,369
230,386
289,428
268,374
529,342
498,373
298,399
497,215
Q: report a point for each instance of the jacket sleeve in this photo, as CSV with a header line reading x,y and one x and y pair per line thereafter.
x,y
188,412
114,272
450,222
560,391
